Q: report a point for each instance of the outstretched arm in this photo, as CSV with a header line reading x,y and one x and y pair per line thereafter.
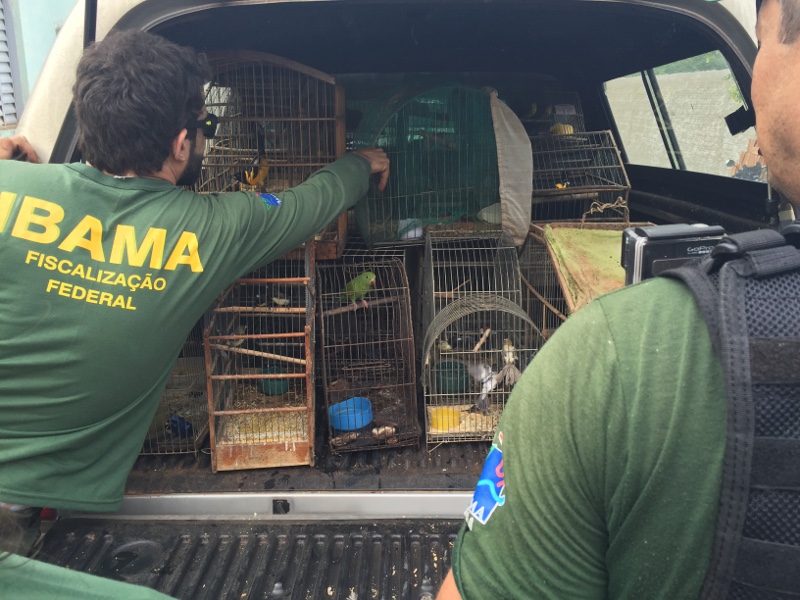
x,y
17,147
378,163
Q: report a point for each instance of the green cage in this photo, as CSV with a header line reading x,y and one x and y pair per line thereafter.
x,y
441,145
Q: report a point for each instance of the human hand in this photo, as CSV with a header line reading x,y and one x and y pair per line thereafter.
x,y
17,147
378,162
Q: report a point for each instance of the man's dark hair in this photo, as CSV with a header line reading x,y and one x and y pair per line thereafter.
x,y
133,94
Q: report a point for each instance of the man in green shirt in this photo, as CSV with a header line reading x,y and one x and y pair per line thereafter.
x,y
108,265
605,473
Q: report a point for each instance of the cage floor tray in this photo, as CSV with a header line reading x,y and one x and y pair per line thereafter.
x,y
586,259
470,423
263,428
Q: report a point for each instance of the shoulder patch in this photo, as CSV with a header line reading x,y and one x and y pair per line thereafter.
x,y
490,491
270,200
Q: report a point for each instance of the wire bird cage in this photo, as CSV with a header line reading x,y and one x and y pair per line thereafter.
x,y
460,264
466,387
367,352
279,122
553,112
259,354
180,424
564,266
442,148
578,176
543,297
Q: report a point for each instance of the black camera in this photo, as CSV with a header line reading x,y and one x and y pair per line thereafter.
x,y
648,251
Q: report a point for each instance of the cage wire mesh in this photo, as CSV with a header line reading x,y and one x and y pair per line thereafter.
x,y
367,350
459,264
579,176
552,112
180,423
543,298
259,349
279,122
441,145
466,387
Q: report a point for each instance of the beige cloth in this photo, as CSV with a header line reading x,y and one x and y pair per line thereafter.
x,y
515,167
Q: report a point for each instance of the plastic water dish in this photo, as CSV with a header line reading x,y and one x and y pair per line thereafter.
x,y
353,413
273,387
451,377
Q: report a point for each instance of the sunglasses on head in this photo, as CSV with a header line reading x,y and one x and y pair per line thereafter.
x,y
207,124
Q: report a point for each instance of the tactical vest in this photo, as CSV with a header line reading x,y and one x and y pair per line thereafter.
x,y
748,291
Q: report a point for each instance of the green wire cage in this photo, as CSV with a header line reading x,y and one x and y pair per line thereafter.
x,y
441,145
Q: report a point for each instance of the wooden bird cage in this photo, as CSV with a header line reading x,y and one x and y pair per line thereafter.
x,y
180,423
259,352
452,388
368,352
279,122
579,176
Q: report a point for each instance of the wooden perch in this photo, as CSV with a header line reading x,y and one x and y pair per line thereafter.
x,y
483,339
351,307
557,312
289,359
451,293
260,310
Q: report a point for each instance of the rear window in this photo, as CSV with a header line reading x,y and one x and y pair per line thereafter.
x,y
673,116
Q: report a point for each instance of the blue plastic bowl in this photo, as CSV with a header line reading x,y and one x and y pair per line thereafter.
x,y
353,413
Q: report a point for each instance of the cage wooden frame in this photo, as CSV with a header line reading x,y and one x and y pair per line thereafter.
x,y
261,383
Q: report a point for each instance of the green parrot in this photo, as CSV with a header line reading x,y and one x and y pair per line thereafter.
x,y
358,287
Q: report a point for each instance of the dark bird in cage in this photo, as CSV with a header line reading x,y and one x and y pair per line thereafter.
x,y
178,427
487,378
357,288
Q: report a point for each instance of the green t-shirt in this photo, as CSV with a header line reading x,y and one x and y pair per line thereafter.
x,y
102,280
27,579
604,476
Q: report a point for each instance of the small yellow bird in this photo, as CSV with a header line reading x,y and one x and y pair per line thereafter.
x,y
258,175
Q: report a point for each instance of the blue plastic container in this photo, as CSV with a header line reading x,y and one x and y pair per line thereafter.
x,y
353,413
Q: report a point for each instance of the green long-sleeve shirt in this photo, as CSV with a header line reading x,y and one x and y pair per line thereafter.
x,y
102,279
605,474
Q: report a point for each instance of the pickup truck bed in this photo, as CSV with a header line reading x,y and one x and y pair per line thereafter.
x,y
375,524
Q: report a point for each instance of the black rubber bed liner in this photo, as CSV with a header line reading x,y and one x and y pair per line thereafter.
x,y
202,560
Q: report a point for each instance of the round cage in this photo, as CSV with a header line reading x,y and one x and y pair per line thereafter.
x,y
442,148
367,354
474,352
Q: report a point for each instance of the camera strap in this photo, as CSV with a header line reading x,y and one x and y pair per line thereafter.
x,y
748,291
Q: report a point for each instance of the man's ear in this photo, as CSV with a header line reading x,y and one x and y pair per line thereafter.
x,y
181,147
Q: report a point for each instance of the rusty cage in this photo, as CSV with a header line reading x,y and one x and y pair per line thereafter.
x,y
279,121
259,352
